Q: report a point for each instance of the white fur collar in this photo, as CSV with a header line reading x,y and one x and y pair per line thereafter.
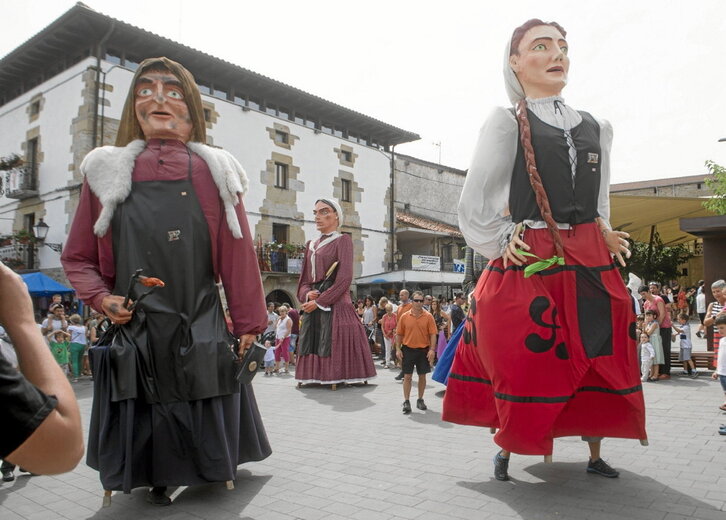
x,y
108,171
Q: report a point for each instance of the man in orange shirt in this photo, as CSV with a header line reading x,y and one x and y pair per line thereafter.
x,y
415,347
403,306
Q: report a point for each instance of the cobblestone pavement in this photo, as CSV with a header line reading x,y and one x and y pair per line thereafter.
x,y
351,454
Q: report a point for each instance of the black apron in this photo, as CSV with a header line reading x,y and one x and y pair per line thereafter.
x,y
177,346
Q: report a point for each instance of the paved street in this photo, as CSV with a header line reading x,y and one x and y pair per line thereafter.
x,y
350,453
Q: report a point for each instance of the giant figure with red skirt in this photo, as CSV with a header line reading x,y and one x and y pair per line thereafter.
x,y
167,409
548,348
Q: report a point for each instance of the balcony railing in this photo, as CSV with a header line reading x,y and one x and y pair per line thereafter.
x,y
280,258
17,254
21,182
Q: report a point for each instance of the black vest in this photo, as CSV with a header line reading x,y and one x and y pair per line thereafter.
x,y
573,204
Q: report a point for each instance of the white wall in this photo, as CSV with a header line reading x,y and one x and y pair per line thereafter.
x,y
62,99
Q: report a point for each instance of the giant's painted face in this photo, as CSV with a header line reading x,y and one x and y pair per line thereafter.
x,y
160,107
326,219
542,63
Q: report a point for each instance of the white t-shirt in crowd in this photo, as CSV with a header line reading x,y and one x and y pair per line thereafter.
x,y
282,328
78,334
721,364
57,325
271,319
646,351
701,303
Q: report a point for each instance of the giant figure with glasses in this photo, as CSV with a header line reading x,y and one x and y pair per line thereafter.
x,y
167,409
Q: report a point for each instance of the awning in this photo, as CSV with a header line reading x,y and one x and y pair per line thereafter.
x,y
636,215
42,285
410,276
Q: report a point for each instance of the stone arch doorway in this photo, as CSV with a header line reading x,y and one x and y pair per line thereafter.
x,y
279,297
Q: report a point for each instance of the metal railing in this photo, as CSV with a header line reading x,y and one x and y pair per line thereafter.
x,y
21,182
278,258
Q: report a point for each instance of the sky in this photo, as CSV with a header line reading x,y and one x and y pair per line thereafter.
x,y
654,69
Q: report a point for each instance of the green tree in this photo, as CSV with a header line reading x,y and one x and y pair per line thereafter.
x,y
657,262
717,184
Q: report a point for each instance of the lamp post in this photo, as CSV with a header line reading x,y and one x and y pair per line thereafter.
x,y
41,231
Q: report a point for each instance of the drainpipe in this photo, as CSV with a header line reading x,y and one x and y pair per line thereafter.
x,y
392,210
99,49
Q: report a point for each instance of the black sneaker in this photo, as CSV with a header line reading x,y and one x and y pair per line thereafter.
x,y
420,404
501,465
601,468
399,376
406,407
157,496
8,476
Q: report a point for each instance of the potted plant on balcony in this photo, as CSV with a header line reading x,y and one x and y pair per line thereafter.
x,y
10,161
24,237
14,263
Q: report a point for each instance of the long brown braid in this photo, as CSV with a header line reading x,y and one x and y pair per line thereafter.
x,y
525,137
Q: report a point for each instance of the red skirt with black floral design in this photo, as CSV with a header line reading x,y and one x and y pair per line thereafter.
x,y
551,355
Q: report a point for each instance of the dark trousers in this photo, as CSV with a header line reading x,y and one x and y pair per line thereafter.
x,y
665,337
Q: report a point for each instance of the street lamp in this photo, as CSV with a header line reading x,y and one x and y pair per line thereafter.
x,y
41,231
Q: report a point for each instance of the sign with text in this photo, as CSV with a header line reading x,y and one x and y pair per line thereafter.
x,y
425,263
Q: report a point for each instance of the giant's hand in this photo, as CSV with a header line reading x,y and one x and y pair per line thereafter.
x,y
617,244
510,253
245,342
113,307
309,307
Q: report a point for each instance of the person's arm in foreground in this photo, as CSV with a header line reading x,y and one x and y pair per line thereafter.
x,y
57,444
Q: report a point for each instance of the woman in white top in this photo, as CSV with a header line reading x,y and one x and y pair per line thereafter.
x,y
78,345
283,327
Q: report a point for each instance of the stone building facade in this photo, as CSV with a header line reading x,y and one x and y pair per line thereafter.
x,y
56,105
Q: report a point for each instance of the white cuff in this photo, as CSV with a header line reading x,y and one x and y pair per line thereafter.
x,y
327,309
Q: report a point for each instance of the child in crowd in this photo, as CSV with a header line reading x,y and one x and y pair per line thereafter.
x,y
269,359
652,329
683,330
639,321
59,345
720,372
647,355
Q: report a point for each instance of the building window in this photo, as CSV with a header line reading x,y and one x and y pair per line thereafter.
x,y
282,137
35,108
345,186
207,115
32,155
280,233
346,155
281,175
446,254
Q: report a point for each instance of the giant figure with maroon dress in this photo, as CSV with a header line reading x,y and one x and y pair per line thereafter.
x,y
332,347
167,408
546,350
